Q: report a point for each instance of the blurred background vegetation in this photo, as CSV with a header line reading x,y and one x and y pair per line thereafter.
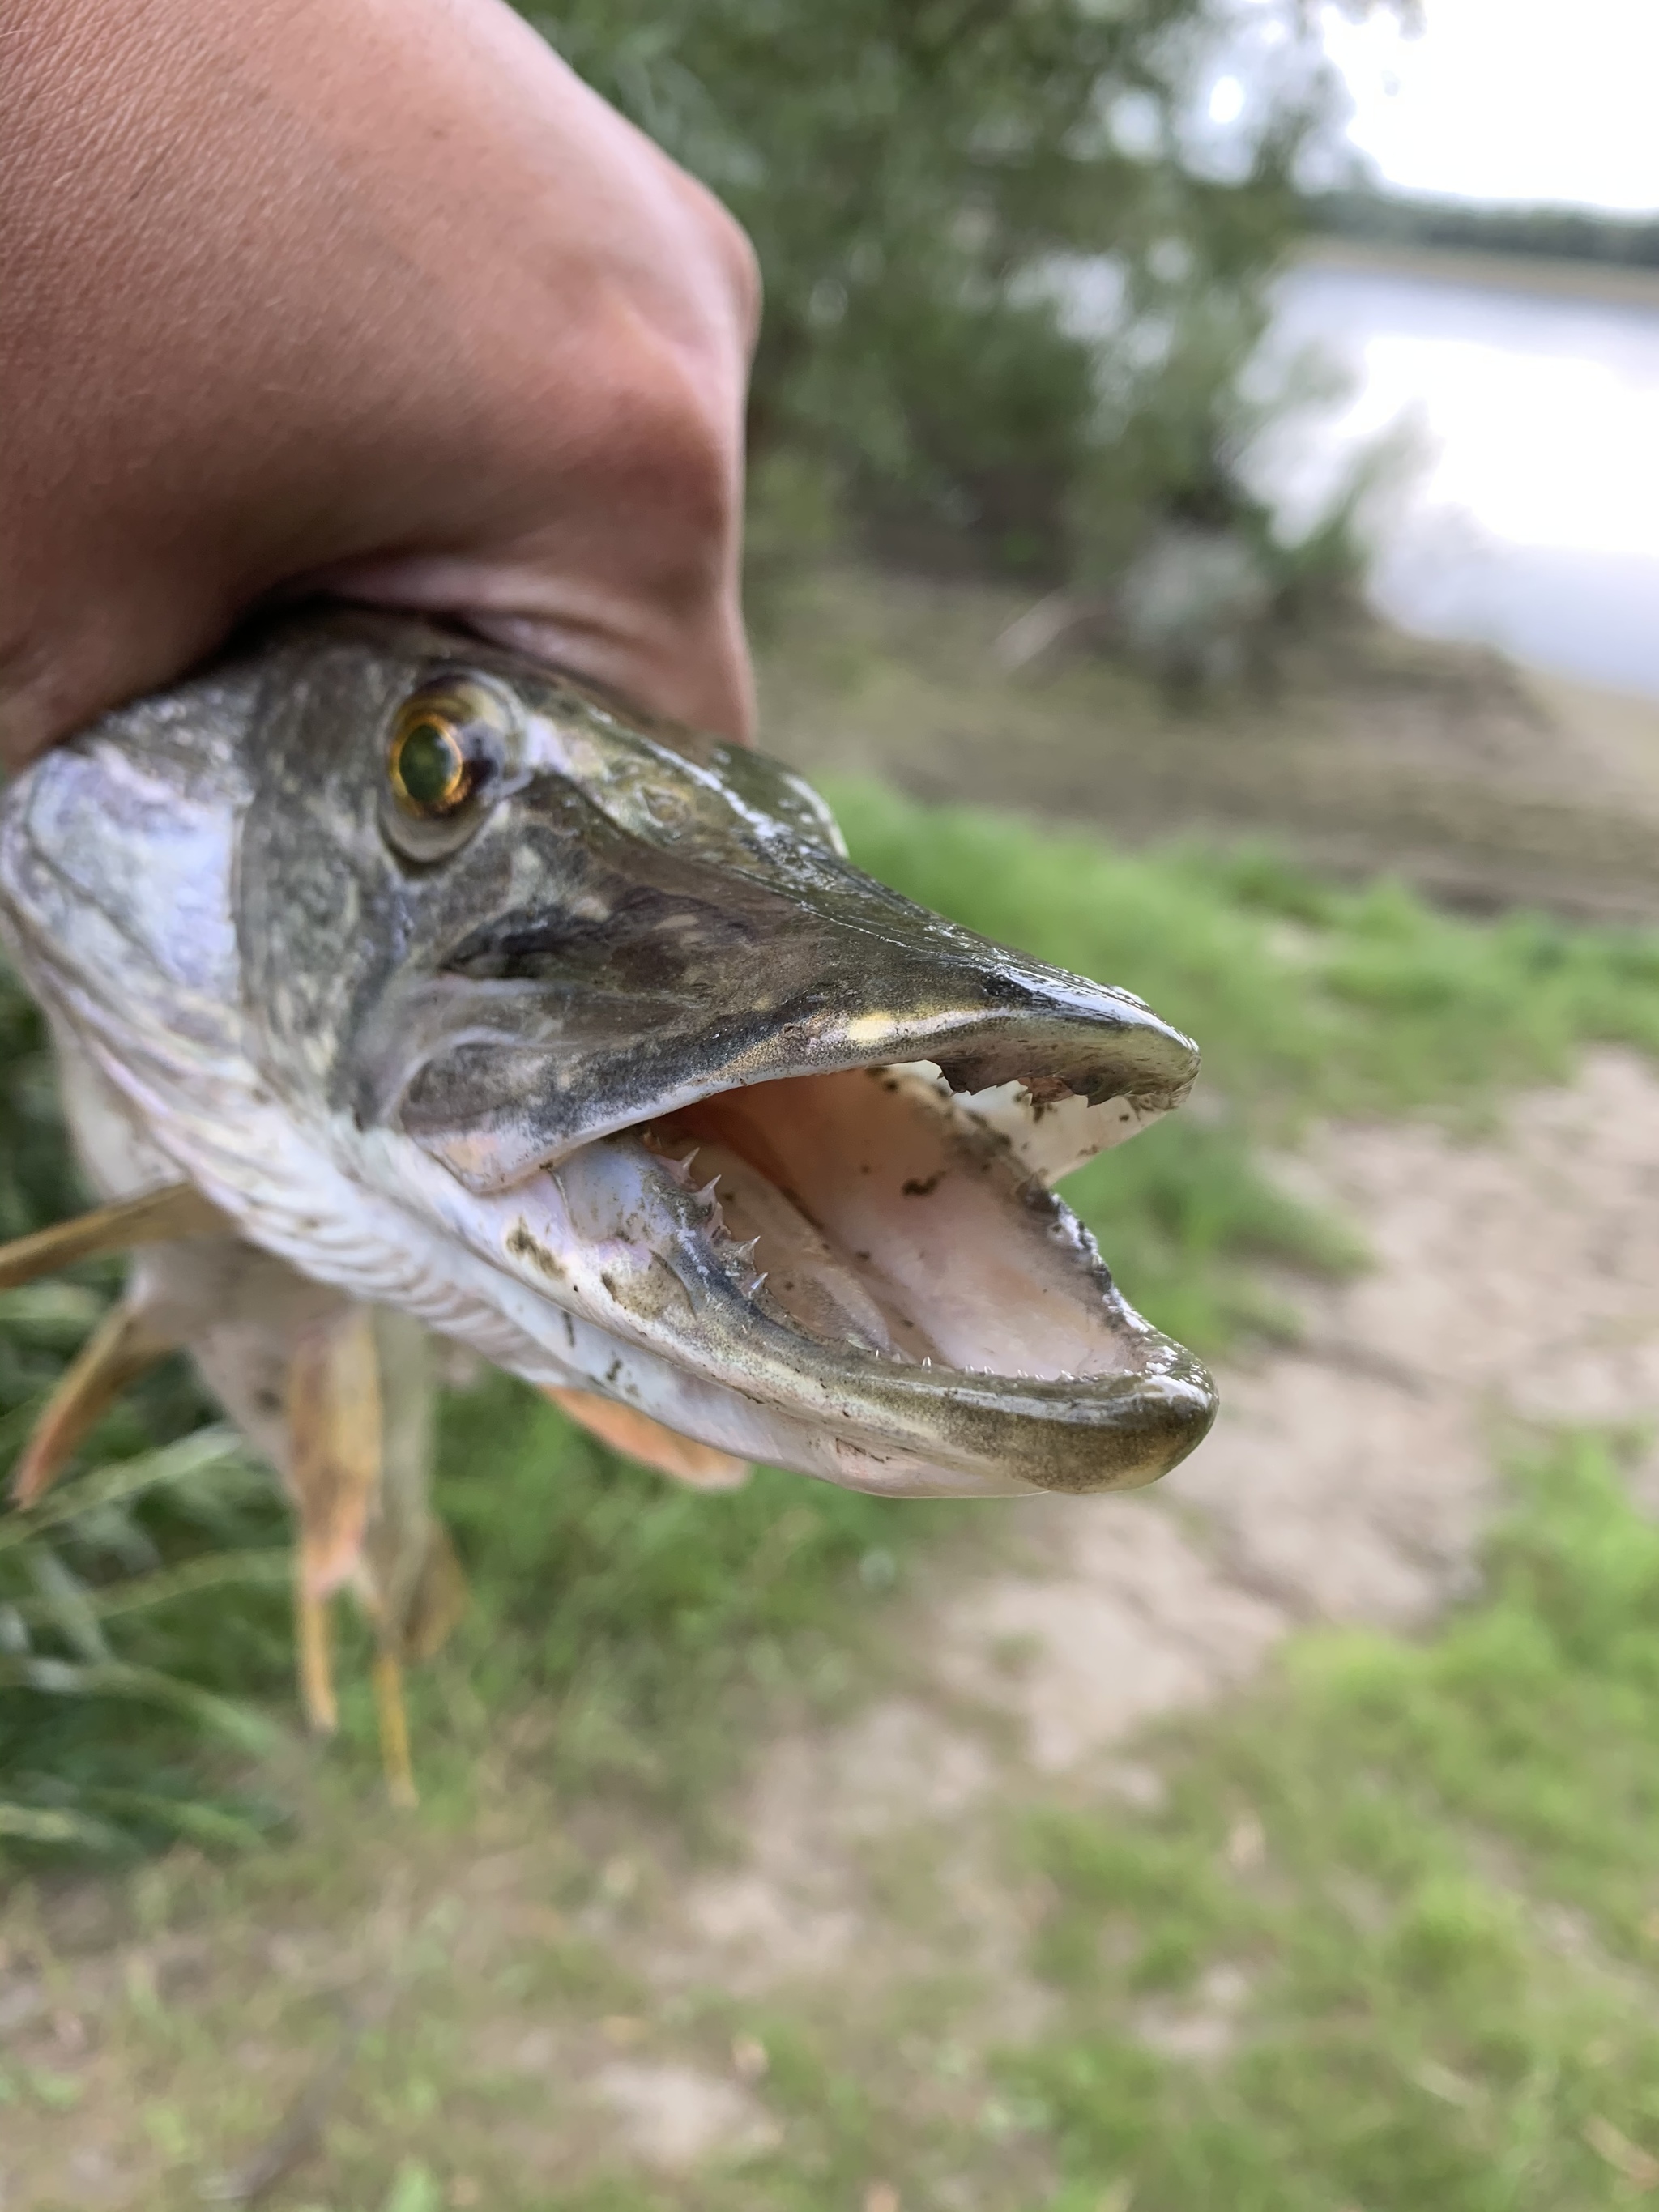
x,y
1541,232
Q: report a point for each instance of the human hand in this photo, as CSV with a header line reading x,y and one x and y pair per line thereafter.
x,y
373,296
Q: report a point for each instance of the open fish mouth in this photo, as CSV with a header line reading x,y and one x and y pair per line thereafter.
x,y
859,1273
582,1040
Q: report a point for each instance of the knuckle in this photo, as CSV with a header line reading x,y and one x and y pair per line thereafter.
x,y
732,252
671,435
742,265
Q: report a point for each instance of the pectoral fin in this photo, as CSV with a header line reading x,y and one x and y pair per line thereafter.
x,y
158,1216
638,1437
334,1444
118,1350
358,1409
334,1408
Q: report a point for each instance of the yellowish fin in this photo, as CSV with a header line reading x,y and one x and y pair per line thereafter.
x,y
334,1445
158,1216
118,1350
640,1437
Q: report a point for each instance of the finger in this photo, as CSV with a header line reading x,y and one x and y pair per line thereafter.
x,y
692,665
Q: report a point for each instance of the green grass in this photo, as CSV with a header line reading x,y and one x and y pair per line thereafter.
x,y
640,1621
1414,1886
637,1614
1433,1870
644,1620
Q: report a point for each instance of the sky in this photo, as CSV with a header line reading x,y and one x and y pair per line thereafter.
x,y
1510,99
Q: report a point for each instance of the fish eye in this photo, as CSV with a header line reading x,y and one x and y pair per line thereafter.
x,y
449,743
427,763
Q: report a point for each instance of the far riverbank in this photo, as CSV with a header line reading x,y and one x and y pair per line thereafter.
x,y
1533,275
1368,751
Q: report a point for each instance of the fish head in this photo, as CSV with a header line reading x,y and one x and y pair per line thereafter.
x,y
466,988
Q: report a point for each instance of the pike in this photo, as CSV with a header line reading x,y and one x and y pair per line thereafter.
x,y
399,987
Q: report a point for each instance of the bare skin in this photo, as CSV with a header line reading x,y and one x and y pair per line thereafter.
x,y
373,296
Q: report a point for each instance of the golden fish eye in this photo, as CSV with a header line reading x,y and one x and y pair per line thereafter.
x,y
427,761
451,752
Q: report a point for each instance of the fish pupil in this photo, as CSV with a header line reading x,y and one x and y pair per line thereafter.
x,y
430,767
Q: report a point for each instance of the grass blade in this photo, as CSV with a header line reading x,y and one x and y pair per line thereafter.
x,y
66,1604
213,1826
33,1824
57,1678
176,1462
267,1567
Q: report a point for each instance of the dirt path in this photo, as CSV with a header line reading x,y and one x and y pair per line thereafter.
x,y
1516,1281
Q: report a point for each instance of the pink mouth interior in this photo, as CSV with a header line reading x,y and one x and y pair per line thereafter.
x,y
884,1217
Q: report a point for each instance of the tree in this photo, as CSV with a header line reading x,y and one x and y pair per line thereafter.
x,y
1011,276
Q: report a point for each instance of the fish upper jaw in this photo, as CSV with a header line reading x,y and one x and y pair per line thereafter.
x,y
583,1001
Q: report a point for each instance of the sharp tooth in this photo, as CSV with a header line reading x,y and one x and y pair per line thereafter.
x,y
745,1252
706,1193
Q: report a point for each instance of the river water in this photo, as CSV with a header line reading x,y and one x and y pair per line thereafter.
x,y
1529,517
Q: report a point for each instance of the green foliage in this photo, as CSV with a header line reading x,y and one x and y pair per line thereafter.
x,y
137,1608
1426,1971
37,1183
915,175
140,1607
